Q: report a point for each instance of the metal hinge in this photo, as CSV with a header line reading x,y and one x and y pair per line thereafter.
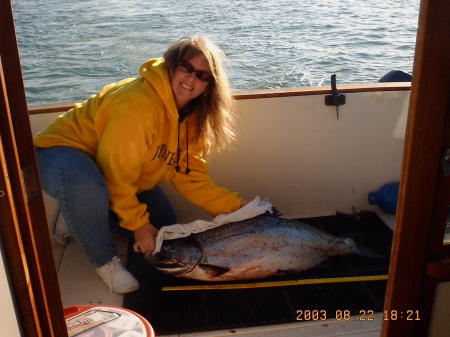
x,y
29,179
445,162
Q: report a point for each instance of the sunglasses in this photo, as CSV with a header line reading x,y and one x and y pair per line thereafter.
x,y
186,67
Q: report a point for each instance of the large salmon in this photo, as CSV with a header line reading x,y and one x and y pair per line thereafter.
x,y
262,246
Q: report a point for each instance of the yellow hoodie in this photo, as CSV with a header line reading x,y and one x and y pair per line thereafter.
x,y
131,129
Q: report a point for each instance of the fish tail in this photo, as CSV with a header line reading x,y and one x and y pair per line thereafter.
x,y
367,252
358,249
347,245
358,235
343,246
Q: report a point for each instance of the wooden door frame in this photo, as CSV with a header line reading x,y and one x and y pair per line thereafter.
x,y
24,229
418,260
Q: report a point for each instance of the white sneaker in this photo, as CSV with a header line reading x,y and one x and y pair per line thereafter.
x,y
116,277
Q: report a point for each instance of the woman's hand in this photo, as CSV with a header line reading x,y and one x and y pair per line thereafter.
x,y
144,238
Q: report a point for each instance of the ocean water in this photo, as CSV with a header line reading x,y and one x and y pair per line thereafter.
x,y
70,49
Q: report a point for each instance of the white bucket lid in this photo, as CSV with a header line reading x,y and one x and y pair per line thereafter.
x,y
105,321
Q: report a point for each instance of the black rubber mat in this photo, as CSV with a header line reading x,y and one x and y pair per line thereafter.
x,y
172,312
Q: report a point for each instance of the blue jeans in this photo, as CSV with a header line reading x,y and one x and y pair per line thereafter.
x,y
73,178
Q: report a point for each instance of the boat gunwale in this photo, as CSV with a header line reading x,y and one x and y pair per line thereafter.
x,y
262,93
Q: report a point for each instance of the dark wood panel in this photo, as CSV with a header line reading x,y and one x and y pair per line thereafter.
x,y
9,230
421,183
32,237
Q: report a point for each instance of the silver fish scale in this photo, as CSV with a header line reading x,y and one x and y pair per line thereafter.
x,y
267,224
255,248
264,246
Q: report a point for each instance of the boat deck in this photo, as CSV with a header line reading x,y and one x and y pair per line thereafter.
x,y
80,285
78,281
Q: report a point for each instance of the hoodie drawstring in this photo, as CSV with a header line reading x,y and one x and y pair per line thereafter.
x,y
177,167
187,148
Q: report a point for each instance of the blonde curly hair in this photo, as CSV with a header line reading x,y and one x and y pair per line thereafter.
x,y
215,109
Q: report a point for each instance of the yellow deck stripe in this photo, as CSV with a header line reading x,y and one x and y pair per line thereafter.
x,y
277,283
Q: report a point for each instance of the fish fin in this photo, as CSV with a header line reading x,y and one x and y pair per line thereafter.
x,y
275,212
212,270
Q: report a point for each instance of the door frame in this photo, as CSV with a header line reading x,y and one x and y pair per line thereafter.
x,y
419,259
24,230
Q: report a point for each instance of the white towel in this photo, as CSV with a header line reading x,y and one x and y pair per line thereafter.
x,y
254,208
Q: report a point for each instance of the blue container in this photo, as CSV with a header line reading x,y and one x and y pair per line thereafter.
x,y
386,197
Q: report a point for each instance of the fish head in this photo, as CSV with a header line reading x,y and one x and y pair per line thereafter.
x,y
176,257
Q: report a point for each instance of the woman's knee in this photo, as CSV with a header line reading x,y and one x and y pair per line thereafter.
x,y
70,171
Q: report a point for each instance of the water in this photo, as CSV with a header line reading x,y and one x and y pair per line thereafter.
x,y
70,49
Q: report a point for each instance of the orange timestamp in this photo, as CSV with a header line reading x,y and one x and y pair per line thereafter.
x,y
408,315
361,315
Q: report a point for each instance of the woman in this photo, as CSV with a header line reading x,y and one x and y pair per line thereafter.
x,y
111,152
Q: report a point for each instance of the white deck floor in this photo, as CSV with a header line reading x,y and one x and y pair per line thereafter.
x,y
78,281
80,285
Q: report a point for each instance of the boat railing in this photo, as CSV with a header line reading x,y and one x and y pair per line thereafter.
x,y
263,93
